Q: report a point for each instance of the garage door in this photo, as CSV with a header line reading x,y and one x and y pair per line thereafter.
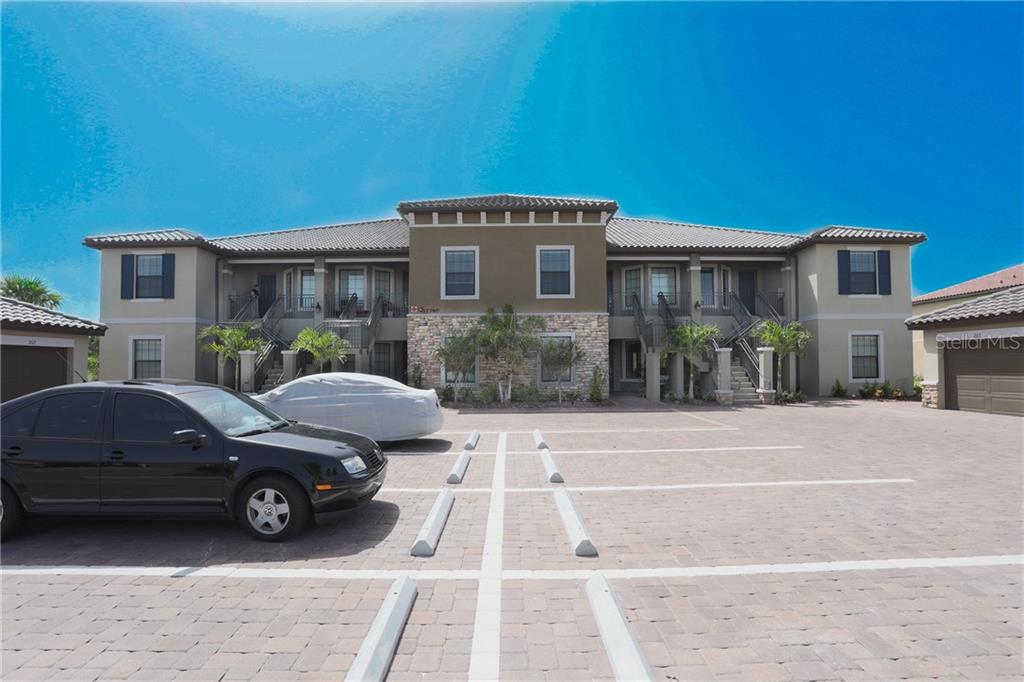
x,y
989,378
26,369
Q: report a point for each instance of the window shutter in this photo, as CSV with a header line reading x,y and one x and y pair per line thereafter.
x,y
167,289
884,276
844,272
127,276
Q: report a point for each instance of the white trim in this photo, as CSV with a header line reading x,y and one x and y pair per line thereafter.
x,y
979,334
37,341
146,300
269,261
864,295
301,295
774,259
131,352
571,381
723,272
622,290
395,259
527,224
873,250
572,269
697,267
156,320
881,356
644,259
476,272
855,316
149,252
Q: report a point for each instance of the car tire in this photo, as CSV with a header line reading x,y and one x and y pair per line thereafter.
x,y
273,508
11,513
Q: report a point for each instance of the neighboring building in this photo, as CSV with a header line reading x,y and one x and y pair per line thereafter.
x,y
41,347
395,287
974,354
1007,278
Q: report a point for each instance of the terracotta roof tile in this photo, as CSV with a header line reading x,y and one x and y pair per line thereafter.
x,y
640,233
1005,302
1003,279
372,235
18,314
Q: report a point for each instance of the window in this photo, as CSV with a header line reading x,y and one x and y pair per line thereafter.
x,y
149,276
147,358
663,281
549,376
460,275
20,423
72,415
863,277
382,284
233,414
307,290
352,282
864,358
382,359
633,367
289,289
555,272
631,286
146,418
707,288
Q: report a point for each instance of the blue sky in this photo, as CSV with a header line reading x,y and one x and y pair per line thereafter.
x,y
227,119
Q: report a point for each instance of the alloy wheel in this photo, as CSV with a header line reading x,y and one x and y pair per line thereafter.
x,y
267,511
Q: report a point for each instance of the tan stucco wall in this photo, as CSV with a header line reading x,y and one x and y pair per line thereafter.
x,y
75,345
918,335
508,267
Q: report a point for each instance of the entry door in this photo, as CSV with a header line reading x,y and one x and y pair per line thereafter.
x,y
382,284
748,288
142,470
268,291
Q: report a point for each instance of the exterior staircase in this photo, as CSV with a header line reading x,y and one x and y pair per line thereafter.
x,y
274,375
743,391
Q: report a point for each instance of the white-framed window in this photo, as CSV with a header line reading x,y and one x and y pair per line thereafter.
x,y
632,283
863,272
556,271
460,272
307,289
384,283
149,276
707,287
145,357
289,289
351,281
547,376
664,280
867,358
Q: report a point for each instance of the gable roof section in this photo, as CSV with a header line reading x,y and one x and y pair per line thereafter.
x,y
15,314
994,281
372,235
643,233
509,202
999,304
845,233
167,237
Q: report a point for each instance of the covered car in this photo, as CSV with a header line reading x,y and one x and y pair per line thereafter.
x,y
378,407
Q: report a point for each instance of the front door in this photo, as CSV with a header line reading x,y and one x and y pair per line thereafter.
x,y
268,291
53,448
748,288
142,470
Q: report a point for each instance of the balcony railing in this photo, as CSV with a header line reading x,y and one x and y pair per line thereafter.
x,y
351,307
678,305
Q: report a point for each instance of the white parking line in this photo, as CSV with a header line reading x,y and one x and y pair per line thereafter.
x,y
703,419
237,572
737,448
698,486
485,651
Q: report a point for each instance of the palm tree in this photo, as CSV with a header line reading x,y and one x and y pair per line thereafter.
x,y
693,342
792,338
506,339
323,346
228,342
558,356
30,290
458,355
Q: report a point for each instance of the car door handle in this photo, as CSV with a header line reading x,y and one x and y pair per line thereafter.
x,y
13,451
116,455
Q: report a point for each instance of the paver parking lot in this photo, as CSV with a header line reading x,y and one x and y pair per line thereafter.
x,y
845,540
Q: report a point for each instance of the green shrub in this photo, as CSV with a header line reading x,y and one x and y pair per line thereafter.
x,y
466,395
886,389
572,395
918,386
867,390
448,393
596,384
489,393
838,390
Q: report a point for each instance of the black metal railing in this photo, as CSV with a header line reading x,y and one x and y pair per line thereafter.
x,y
769,305
678,304
351,307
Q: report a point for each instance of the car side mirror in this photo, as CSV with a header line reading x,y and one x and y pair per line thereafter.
x,y
188,437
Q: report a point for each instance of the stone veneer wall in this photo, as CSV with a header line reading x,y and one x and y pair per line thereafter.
x,y
426,331
930,394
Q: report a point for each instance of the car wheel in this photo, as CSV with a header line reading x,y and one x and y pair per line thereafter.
x,y
273,508
10,512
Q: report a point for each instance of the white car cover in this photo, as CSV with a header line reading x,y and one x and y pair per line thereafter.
x,y
374,406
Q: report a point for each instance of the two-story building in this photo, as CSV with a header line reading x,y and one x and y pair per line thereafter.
x,y
394,288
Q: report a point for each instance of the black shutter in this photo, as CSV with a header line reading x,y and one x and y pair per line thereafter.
x,y
844,272
127,276
167,285
884,276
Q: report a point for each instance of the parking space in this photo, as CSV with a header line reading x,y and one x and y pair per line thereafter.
x,y
839,541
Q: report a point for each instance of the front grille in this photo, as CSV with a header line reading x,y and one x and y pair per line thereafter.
x,y
374,458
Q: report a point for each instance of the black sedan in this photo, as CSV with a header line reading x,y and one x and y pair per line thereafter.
x,y
166,447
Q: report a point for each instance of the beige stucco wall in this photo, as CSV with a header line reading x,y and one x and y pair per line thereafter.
x,y
918,335
177,320
508,266
75,345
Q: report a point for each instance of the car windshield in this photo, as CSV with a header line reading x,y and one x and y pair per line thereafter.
x,y
233,414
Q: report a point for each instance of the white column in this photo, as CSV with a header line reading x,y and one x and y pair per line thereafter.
x,y
319,276
724,360
289,360
227,283
764,360
653,372
248,367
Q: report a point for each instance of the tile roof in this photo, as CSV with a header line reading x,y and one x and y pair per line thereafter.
x,y
509,202
167,236
642,233
847,233
16,314
1003,279
1005,302
372,235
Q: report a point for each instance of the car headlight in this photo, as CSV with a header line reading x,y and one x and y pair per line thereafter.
x,y
353,465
